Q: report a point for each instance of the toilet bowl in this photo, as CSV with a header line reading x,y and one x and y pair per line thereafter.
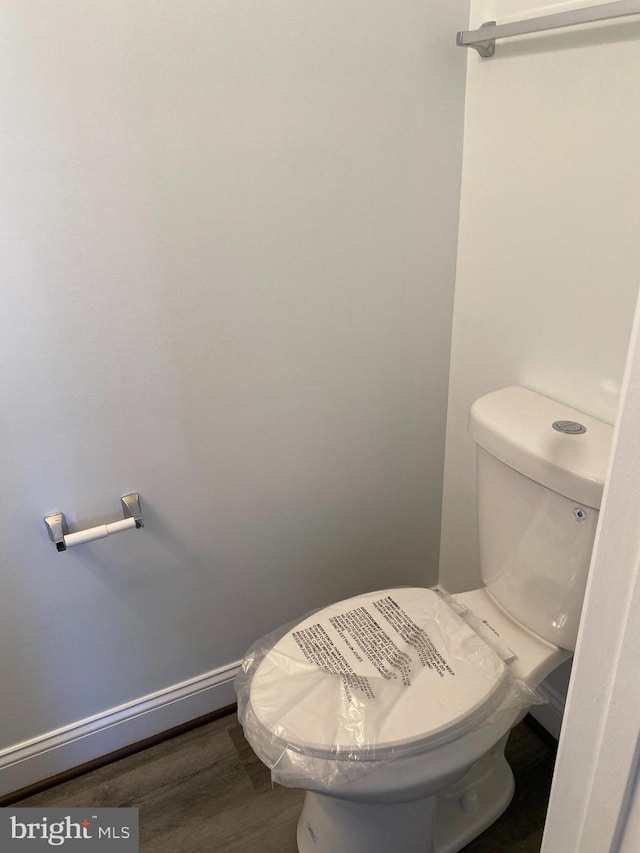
x,y
392,708
373,779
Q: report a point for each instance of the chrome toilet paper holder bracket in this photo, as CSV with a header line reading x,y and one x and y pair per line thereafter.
x,y
59,531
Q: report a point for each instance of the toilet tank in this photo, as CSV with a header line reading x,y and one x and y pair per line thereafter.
x,y
540,471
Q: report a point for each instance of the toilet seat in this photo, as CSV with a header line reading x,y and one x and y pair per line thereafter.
x,y
381,674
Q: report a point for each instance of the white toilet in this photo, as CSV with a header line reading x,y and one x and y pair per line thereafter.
x,y
392,709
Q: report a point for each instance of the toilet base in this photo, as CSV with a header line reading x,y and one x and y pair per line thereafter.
x,y
466,809
441,824
327,825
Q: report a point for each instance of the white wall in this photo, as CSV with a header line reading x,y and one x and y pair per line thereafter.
x,y
229,235
548,253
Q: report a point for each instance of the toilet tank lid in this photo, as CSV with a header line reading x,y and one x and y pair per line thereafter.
x,y
516,425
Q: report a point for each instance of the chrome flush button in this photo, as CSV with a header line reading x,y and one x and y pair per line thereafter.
x,y
569,427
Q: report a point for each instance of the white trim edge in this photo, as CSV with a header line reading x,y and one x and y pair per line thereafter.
x,y
596,780
54,752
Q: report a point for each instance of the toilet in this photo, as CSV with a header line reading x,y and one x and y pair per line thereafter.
x,y
392,709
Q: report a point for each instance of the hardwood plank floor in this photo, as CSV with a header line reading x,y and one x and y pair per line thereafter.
x,y
206,792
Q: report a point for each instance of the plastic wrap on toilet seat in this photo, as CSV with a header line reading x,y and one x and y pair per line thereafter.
x,y
394,673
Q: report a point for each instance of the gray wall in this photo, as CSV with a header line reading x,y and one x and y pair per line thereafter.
x,y
229,235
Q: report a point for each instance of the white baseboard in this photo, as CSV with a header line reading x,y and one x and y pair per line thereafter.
x,y
550,715
54,752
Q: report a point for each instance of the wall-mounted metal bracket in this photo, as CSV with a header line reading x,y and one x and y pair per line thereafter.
x,y
486,48
59,531
131,508
484,42
57,527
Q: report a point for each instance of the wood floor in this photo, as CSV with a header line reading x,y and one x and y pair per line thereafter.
x,y
206,792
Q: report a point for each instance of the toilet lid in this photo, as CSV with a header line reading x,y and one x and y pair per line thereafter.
x,y
383,672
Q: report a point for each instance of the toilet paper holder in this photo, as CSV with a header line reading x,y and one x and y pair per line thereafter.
x,y
59,532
